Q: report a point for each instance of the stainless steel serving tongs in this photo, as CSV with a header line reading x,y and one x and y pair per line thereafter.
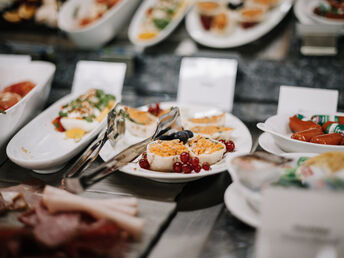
x,y
115,128
76,184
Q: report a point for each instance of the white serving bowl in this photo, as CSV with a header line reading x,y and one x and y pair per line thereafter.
x,y
101,31
41,73
278,127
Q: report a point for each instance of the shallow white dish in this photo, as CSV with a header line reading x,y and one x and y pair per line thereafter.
x,y
239,36
309,12
278,127
38,72
135,25
266,141
38,146
102,30
239,207
248,202
241,136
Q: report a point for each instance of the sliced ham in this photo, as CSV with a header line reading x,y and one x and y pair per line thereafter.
x,y
58,200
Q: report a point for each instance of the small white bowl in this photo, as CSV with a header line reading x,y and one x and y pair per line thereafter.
x,y
278,127
101,31
40,73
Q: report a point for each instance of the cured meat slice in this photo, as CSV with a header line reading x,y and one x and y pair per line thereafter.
x,y
57,200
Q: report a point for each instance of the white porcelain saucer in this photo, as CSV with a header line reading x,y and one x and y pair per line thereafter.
x,y
266,141
239,207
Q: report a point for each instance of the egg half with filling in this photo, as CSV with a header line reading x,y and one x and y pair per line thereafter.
x,y
140,123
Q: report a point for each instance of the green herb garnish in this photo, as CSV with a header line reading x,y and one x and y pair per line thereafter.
x,y
2,112
63,114
88,119
161,23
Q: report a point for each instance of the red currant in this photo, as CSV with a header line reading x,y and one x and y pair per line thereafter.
x,y
151,110
144,155
223,141
177,167
195,162
186,168
230,146
144,163
206,166
197,168
184,157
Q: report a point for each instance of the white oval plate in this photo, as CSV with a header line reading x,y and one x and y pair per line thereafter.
x,y
239,207
239,36
319,19
278,127
38,146
135,25
241,137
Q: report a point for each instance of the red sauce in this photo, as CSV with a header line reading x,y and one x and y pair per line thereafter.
x,y
57,123
12,94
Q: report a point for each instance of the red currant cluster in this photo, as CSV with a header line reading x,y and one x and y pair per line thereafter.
x,y
188,164
155,110
143,163
230,146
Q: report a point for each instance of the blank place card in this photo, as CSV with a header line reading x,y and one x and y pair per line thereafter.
x,y
207,81
294,100
107,76
301,224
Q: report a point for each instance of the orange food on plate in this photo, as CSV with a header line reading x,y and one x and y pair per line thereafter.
x,y
8,99
12,94
21,88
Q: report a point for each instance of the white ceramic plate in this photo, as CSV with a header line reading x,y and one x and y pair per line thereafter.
x,y
319,19
245,203
135,25
239,36
266,141
239,207
40,73
38,146
241,137
278,127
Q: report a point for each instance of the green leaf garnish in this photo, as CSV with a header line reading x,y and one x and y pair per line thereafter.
x,y
161,23
2,112
88,119
63,114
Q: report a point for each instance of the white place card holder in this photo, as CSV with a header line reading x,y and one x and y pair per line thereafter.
x,y
14,59
301,224
207,81
293,100
100,75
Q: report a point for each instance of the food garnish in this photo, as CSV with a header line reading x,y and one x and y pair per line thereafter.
x,y
84,113
159,16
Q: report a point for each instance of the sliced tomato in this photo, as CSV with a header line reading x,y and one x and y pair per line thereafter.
x,y
21,88
8,99
57,123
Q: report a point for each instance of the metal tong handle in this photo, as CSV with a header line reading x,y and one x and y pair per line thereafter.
x,y
92,152
79,184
